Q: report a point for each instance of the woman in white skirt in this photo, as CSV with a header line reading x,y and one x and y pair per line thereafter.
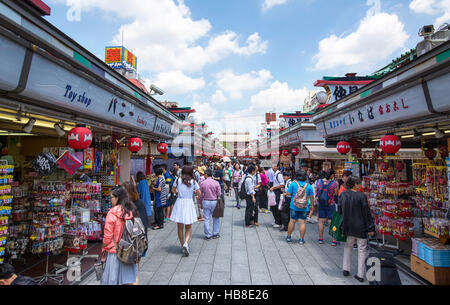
x,y
184,212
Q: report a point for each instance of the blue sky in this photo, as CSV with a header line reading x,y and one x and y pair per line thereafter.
x,y
234,60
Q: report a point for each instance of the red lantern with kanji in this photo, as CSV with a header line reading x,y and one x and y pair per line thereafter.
x,y
295,151
162,148
443,150
79,138
134,145
400,166
430,153
390,144
384,166
343,147
285,152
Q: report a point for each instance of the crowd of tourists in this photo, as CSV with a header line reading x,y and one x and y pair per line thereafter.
x,y
191,193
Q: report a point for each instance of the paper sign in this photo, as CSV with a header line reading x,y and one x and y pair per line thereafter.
x,y
44,164
89,158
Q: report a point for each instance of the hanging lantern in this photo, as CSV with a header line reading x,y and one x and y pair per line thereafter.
x,y
285,152
430,153
295,151
343,147
443,150
390,144
79,138
400,166
384,166
376,154
134,145
162,148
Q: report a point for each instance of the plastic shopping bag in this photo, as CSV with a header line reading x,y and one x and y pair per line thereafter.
x,y
271,197
280,205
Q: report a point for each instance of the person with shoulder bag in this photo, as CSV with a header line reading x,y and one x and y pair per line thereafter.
x,y
237,176
263,200
357,225
117,272
210,198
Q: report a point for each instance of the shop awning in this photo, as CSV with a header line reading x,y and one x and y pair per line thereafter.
x,y
320,152
403,153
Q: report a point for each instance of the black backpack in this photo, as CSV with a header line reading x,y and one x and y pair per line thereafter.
x,y
243,191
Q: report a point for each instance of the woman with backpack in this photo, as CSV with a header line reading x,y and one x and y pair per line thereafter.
x,y
302,196
184,212
327,189
117,272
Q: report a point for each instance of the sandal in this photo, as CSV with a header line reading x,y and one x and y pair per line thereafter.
x,y
157,228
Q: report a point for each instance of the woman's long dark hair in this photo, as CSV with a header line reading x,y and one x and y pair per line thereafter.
x,y
187,175
124,200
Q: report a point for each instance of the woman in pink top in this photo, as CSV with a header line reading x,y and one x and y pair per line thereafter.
x,y
263,200
116,272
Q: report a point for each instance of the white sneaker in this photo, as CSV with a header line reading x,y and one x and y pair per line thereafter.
x,y
276,226
185,250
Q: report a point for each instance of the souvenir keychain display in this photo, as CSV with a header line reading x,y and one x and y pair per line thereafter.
x,y
48,217
6,198
391,207
19,230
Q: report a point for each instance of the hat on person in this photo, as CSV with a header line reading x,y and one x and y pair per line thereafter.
x,y
201,170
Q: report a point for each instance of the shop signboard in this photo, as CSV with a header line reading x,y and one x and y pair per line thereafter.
x,y
48,82
439,92
338,92
164,128
120,58
12,59
402,106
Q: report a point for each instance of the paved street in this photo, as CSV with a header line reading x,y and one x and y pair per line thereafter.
x,y
247,256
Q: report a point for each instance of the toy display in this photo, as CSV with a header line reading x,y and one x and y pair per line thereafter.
x,y
6,199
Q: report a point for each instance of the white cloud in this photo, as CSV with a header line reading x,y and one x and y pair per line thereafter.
x,y
377,37
176,82
234,85
433,7
164,37
204,112
279,98
218,97
268,4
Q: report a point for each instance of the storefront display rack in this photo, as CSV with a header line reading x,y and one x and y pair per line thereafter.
x,y
6,178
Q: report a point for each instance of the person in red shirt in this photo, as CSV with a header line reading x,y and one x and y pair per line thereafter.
x,y
343,186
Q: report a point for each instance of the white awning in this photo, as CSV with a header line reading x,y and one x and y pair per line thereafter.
x,y
320,152
403,153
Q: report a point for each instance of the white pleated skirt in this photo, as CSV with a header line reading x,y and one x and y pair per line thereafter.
x,y
184,211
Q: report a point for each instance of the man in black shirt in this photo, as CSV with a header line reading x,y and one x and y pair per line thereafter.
x,y
8,277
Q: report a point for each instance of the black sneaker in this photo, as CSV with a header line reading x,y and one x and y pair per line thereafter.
x,y
283,229
346,273
207,238
215,236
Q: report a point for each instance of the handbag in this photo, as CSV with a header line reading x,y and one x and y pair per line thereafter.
x,y
99,266
335,230
219,210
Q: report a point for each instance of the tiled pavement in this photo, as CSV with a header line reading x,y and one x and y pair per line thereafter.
x,y
247,256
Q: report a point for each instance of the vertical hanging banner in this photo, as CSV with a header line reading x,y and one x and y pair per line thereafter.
x,y
89,155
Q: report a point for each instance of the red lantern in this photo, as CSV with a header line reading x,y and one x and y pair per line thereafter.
x,y
134,145
343,147
79,138
384,166
390,144
162,148
400,166
285,152
430,153
295,151
443,150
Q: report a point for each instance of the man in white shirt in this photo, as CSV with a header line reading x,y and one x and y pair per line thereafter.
x,y
278,185
251,207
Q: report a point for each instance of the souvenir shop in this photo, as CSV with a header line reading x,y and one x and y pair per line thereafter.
x,y
397,130
69,126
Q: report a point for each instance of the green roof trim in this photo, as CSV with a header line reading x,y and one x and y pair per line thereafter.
x,y
137,95
365,93
81,59
443,56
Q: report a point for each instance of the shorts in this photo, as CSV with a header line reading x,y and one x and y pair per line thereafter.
x,y
326,211
296,215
